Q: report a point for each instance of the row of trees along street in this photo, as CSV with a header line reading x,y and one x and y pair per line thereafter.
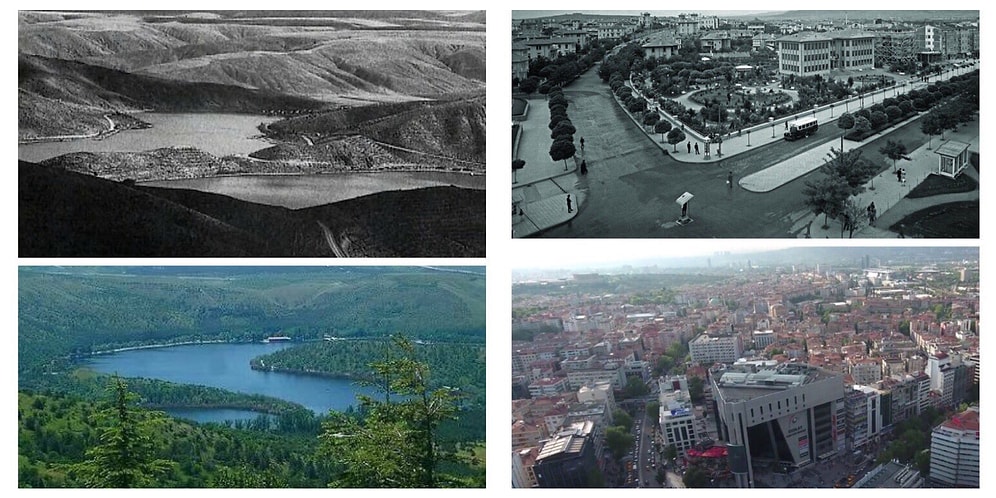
x,y
950,103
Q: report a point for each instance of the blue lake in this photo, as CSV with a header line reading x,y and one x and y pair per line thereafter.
x,y
226,366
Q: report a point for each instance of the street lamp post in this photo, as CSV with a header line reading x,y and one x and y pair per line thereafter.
x,y
748,138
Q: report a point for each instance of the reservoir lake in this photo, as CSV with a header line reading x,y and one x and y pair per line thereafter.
x,y
237,134
301,191
226,366
214,133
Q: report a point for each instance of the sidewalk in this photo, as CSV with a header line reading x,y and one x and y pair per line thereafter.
x,y
889,195
802,164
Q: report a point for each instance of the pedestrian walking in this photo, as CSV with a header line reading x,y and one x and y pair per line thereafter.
x,y
582,143
584,168
872,212
729,180
902,172
569,208
696,148
689,144
899,175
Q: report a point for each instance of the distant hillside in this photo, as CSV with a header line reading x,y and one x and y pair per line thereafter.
x,y
386,57
52,90
856,15
451,128
66,214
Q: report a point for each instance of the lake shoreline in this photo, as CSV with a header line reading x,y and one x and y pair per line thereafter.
x,y
148,183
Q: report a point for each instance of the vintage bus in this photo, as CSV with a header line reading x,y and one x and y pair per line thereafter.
x,y
801,128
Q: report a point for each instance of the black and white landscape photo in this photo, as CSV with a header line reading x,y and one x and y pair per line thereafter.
x,y
251,133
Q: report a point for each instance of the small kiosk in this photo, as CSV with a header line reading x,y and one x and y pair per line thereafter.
x,y
682,201
952,158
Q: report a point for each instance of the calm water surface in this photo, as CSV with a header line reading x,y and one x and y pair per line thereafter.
x,y
301,191
217,134
227,366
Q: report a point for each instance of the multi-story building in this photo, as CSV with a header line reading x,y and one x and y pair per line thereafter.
x,y
523,460
520,70
578,36
687,27
895,48
864,415
610,371
792,413
661,47
809,53
568,459
550,48
708,349
614,31
928,38
763,338
548,387
864,371
677,416
599,392
525,435
954,451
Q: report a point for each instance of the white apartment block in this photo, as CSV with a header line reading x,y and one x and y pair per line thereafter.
x,y
954,451
706,349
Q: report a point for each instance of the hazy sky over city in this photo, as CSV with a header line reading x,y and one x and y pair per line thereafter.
x,y
613,252
528,14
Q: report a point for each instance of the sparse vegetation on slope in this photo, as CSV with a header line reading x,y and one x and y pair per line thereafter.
x,y
66,214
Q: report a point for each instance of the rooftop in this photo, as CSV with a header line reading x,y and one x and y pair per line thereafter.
x,y
747,381
951,148
568,441
967,420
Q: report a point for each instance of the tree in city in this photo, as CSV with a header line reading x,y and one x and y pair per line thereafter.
x,y
826,196
618,440
670,452
517,164
931,125
563,128
696,387
557,99
844,122
622,419
394,442
653,411
555,119
894,150
637,106
695,477
851,166
635,387
126,456
529,85
894,112
651,118
879,119
675,137
562,149
663,126
854,218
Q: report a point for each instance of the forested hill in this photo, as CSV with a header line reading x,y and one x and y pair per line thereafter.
x,y
77,310
459,366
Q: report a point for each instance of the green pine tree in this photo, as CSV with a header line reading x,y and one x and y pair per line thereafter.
x,y
393,442
126,456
